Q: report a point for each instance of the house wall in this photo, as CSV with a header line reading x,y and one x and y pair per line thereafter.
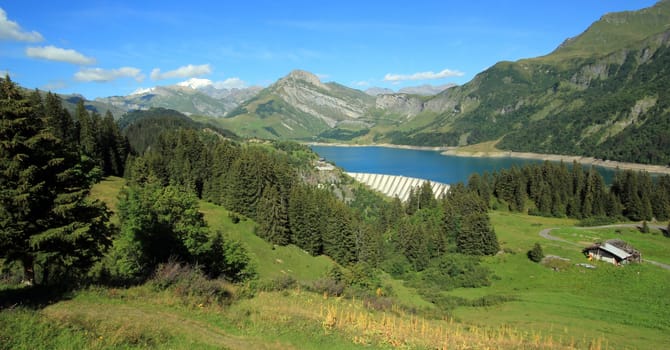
x,y
603,256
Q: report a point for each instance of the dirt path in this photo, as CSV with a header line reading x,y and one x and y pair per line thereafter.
x,y
546,234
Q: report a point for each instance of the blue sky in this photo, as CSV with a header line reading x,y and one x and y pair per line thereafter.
x,y
105,48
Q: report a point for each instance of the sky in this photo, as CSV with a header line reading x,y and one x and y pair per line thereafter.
x,y
112,48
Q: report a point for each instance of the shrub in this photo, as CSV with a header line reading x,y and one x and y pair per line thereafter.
x,y
453,271
191,285
361,275
327,286
536,254
234,217
228,259
645,227
279,283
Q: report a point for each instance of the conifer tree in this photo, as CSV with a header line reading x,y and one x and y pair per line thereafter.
x,y
536,254
477,236
272,218
113,146
306,218
46,219
339,239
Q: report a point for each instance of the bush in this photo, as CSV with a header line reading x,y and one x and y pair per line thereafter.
x,y
536,254
645,227
191,285
452,271
362,276
234,217
327,286
280,283
228,259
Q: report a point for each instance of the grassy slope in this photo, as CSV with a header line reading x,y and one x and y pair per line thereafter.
x,y
627,306
272,261
603,308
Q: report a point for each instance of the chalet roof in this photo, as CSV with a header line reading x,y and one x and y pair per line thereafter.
x,y
618,252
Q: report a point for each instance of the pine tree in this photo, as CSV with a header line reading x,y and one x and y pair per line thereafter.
x,y
426,196
477,236
305,218
272,218
246,181
536,254
339,238
645,227
113,146
46,219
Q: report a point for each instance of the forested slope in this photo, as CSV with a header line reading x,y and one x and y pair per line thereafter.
x,y
609,103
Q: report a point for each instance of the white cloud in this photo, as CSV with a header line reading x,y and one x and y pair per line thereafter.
x,y
141,91
105,75
188,71
198,83
423,75
53,53
231,83
10,30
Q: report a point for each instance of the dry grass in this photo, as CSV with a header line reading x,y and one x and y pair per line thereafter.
x,y
396,328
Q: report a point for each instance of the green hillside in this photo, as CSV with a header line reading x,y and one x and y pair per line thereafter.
x,y
565,309
602,94
615,32
143,127
298,106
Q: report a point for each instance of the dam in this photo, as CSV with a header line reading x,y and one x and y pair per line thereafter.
x,y
397,185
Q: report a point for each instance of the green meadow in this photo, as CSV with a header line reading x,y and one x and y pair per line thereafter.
x,y
603,308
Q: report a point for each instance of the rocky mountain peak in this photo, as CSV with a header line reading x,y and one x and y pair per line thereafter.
x,y
301,75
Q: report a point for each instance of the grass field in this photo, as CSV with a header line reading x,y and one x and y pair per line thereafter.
x,y
604,308
271,261
628,306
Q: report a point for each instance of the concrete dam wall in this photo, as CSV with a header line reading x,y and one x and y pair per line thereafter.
x,y
394,185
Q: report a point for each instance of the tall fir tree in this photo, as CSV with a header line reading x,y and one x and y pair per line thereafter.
x,y
46,218
272,218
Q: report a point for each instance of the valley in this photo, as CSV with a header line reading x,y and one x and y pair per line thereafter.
x,y
607,104
373,182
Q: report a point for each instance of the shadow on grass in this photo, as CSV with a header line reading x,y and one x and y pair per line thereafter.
x,y
34,297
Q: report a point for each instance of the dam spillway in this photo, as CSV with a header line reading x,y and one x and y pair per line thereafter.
x,y
397,185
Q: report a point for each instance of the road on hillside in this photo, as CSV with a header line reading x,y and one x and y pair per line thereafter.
x,y
546,234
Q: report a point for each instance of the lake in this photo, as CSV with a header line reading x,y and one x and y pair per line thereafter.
x,y
423,164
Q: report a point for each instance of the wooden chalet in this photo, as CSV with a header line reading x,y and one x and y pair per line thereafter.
x,y
612,254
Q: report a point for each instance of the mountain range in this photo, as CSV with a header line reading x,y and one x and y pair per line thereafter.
x,y
604,93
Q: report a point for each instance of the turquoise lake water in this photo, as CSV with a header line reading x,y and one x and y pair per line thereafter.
x,y
430,165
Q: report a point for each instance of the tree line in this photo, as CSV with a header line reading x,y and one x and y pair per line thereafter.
x,y
48,162
556,189
55,233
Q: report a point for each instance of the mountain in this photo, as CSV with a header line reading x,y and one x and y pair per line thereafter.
x,y
422,90
192,97
143,127
374,91
604,93
425,90
300,106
